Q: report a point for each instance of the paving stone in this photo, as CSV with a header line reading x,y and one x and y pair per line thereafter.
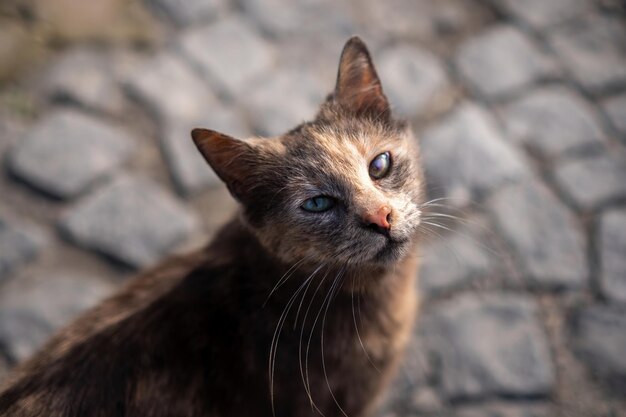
x,y
592,50
456,259
502,61
189,169
489,345
543,233
189,12
33,307
541,14
18,245
503,410
131,219
599,334
615,109
266,102
466,156
593,181
288,18
553,121
87,78
229,53
170,88
412,78
612,245
67,151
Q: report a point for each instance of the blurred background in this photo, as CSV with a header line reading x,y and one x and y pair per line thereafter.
x,y
520,108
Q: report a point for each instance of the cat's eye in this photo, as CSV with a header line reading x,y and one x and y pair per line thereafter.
x,y
318,204
379,167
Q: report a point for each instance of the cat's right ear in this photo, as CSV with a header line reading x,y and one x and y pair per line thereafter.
x,y
233,160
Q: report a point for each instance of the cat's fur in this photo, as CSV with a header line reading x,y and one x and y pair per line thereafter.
x,y
197,335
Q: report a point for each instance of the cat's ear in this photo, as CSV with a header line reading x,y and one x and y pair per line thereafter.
x,y
358,86
233,160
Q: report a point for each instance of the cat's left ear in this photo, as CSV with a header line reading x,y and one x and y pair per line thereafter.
x,y
358,87
233,160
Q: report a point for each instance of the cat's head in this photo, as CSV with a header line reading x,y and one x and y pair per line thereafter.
x,y
344,188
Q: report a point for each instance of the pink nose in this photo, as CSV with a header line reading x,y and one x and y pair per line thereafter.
x,y
379,217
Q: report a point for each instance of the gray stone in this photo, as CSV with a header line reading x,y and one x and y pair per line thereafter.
x,y
130,219
454,260
33,307
466,156
188,12
502,61
504,410
553,121
87,78
189,169
18,245
599,334
288,18
170,88
592,50
4,368
228,53
283,100
615,109
593,181
489,345
66,151
541,14
612,244
543,233
412,78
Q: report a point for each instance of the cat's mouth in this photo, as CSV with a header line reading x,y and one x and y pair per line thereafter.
x,y
393,249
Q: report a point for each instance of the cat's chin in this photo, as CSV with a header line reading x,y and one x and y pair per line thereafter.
x,y
393,251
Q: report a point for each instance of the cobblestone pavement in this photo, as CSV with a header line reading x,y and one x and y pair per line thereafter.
x,y
520,107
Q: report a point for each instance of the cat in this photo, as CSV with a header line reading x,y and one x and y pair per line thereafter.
x,y
303,303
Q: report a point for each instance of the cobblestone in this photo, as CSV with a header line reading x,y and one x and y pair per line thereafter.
x,y
612,249
490,344
131,219
32,307
615,109
504,410
229,53
554,121
188,12
67,151
592,49
593,181
599,333
466,156
85,77
543,233
18,245
502,61
406,68
541,14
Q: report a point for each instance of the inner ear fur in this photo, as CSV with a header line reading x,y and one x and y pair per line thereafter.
x,y
358,87
234,161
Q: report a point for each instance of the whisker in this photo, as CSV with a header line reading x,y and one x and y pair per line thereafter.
x,y
284,279
356,328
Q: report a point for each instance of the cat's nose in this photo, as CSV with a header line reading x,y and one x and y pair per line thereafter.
x,y
379,219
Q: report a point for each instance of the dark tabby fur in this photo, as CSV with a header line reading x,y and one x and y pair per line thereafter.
x,y
286,312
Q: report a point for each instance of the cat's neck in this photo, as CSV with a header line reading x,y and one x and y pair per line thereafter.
x,y
236,244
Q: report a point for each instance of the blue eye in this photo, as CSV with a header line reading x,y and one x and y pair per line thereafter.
x,y
318,204
379,167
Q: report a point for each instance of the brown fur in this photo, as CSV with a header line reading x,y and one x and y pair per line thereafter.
x,y
286,312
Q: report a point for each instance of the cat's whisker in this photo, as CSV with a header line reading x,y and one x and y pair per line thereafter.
x,y
356,328
302,374
277,332
308,346
284,279
335,287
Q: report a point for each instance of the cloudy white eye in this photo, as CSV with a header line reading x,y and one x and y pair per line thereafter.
x,y
379,167
318,204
